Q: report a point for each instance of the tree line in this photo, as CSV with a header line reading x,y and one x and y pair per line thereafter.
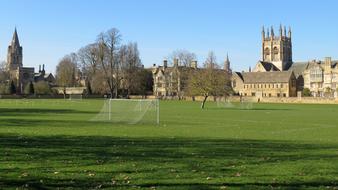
x,y
106,67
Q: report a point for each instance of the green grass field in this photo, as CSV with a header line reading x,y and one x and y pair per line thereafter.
x,y
49,144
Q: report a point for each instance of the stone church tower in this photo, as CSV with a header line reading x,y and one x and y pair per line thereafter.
x,y
277,49
14,55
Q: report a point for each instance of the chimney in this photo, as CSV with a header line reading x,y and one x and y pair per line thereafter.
x,y
328,62
194,64
39,68
165,63
43,67
175,62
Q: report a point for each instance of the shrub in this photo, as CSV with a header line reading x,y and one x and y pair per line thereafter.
x,y
42,88
29,89
306,92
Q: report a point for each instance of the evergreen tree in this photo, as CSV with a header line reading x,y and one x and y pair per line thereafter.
x,y
31,88
12,88
89,88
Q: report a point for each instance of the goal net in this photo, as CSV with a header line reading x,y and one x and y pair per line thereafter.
x,y
129,111
224,103
75,97
244,104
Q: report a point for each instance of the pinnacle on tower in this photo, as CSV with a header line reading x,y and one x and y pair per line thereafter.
x,y
285,31
268,32
272,32
289,32
263,32
15,39
280,30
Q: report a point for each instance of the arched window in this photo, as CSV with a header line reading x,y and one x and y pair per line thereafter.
x,y
266,53
25,76
275,54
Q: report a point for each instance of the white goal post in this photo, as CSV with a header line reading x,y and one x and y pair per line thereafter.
x,y
75,96
130,111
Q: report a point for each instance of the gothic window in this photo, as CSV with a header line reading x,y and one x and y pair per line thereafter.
x,y
234,84
266,53
25,76
275,54
316,74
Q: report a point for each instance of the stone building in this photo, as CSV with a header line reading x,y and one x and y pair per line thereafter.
x,y
172,81
277,50
321,77
271,77
265,84
20,75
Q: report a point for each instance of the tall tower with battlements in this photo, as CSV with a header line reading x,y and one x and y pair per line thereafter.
x,y
277,49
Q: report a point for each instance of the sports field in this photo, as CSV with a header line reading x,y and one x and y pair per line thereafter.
x,y
48,144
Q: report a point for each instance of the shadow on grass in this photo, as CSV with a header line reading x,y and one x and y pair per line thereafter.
x,y
165,163
39,111
250,109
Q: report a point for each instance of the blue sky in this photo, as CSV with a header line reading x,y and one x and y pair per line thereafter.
x,y
50,29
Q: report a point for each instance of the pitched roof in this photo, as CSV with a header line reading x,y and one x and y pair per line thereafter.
x,y
266,77
298,68
268,66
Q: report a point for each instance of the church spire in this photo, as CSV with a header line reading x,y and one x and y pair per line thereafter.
x,y
15,39
227,64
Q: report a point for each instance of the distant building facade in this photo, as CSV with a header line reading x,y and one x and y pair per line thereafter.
x,y
320,77
277,75
265,84
20,75
172,81
271,77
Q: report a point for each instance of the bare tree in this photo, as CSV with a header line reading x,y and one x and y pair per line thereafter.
x,y
208,81
108,43
88,59
109,67
4,74
211,61
130,67
184,57
66,71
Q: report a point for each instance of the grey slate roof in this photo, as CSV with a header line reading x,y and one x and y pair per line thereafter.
x,y
298,68
266,77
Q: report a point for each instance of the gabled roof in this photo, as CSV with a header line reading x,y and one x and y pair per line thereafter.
x,y
298,68
268,66
266,77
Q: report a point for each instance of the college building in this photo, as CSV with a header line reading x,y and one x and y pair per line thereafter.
x,y
20,75
170,81
276,75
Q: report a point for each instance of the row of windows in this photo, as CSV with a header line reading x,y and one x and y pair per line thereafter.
x,y
267,95
263,86
320,85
